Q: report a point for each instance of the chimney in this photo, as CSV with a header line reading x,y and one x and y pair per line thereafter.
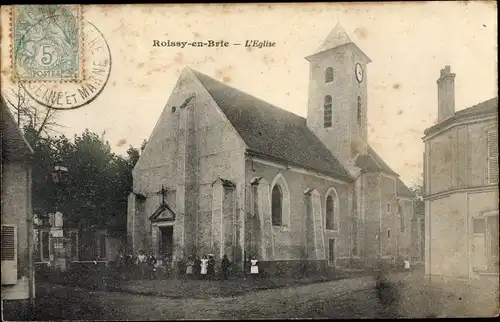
x,y
446,94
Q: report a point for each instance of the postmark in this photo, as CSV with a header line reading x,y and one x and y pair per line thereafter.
x,y
47,42
65,93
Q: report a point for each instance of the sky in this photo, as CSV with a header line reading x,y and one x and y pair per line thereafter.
x,y
408,44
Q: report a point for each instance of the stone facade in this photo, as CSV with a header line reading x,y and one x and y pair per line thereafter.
x,y
221,176
190,148
461,187
18,284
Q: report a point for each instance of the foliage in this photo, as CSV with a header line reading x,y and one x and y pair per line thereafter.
x,y
95,189
418,200
29,114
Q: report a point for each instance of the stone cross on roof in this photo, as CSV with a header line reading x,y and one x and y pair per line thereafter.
x,y
163,193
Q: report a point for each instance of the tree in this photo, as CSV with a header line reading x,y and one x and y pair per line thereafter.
x,y
97,186
418,200
419,208
40,120
133,155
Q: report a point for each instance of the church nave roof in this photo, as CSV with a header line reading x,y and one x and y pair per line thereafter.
x,y
272,131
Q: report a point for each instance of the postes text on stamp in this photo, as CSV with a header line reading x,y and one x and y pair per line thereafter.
x,y
47,42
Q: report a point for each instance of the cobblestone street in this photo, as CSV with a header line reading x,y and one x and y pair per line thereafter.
x,y
348,298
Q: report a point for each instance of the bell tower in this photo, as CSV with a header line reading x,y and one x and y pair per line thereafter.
x,y
337,102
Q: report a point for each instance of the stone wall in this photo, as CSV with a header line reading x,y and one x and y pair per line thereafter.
x,y
191,146
16,210
303,234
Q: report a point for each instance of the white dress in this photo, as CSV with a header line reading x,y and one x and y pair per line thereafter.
x,y
407,264
204,266
254,269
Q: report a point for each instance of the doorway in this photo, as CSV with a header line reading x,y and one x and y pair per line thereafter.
x,y
166,241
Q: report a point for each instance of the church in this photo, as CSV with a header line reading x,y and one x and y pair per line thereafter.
x,y
227,173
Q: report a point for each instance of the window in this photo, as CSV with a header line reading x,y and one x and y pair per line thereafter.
x,y
401,218
388,233
11,271
359,110
492,156
276,207
8,243
279,199
478,226
327,119
331,206
329,75
388,207
330,213
102,246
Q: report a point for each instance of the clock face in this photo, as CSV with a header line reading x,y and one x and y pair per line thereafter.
x,y
359,72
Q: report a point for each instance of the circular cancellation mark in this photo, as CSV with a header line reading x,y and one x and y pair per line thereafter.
x,y
68,94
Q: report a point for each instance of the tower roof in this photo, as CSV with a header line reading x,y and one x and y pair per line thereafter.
x,y
337,37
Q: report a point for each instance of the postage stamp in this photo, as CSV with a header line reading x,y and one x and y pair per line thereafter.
x,y
60,60
47,42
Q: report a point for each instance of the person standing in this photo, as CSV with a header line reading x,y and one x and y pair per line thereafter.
x,y
254,267
189,267
225,265
407,265
142,263
167,266
211,266
152,266
204,267
197,267
129,266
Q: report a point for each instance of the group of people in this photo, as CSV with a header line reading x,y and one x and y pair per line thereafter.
x,y
141,266
145,266
204,267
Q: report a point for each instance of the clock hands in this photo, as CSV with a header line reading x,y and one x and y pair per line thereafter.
x,y
359,72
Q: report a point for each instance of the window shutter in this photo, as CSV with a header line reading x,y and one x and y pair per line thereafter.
x,y
9,254
492,156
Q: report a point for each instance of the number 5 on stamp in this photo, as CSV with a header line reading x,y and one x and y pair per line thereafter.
x,y
47,43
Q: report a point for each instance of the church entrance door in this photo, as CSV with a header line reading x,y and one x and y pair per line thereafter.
x,y
166,241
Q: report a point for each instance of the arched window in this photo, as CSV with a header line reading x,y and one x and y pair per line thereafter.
x,y
359,110
327,120
388,233
401,218
329,75
330,213
276,206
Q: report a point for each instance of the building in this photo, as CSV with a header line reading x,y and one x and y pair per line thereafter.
x,y
224,172
461,188
59,245
18,284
